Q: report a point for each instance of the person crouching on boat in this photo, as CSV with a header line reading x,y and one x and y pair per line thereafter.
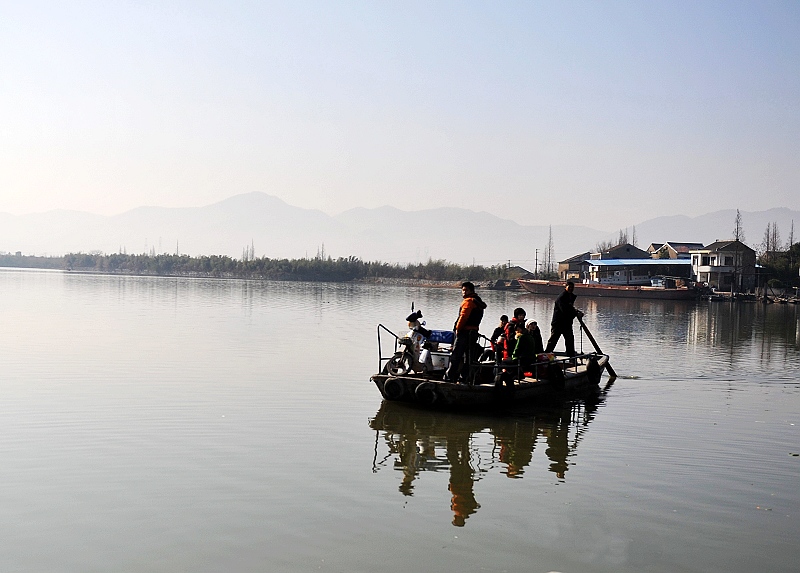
x,y
564,312
466,327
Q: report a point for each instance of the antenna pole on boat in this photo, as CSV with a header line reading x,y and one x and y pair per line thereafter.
x,y
596,346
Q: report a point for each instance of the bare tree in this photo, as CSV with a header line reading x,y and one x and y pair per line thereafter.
x,y
738,228
738,236
249,252
623,237
604,246
634,240
548,253
771,242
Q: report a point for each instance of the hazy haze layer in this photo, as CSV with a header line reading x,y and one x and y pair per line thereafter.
x,y
278,230
597,114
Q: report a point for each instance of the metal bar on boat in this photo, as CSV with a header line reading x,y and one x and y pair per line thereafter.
x,y
381,359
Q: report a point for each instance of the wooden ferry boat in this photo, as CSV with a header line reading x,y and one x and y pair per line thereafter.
x,y
560,376
414,373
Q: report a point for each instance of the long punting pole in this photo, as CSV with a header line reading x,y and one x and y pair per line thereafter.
x,y
596,347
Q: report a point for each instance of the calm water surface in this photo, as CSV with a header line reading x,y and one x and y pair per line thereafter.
x,y
166,424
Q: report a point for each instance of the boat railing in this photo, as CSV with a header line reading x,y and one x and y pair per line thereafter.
x,y
569,364
396,338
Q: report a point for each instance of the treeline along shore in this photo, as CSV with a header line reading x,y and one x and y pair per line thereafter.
x,y
221,266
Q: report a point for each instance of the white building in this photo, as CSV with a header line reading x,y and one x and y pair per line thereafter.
x,y
725,265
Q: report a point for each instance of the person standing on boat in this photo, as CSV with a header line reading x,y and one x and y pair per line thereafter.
x,y
564,312
469,319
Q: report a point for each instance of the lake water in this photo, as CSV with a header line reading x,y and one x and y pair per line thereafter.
x,y
170,424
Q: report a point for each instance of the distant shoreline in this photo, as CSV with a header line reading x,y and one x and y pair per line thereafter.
x,y
399,282
433,274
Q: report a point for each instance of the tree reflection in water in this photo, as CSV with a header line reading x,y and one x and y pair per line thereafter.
x,y
417,441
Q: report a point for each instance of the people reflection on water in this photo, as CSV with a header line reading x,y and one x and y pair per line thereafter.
x,y
517,442
420,441
558,449
462,482
412,454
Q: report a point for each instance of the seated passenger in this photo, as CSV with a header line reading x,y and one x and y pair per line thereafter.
x,y
538,345
524,349
511,328
498,332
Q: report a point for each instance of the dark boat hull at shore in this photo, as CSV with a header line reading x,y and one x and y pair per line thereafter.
x,y
563,377
617,291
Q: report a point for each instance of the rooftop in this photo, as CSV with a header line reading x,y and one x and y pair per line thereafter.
x,y
639,262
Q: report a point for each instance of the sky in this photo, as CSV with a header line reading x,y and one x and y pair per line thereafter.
x,y
600,113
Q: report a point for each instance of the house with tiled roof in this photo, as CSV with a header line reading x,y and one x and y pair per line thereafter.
x,y
621,251
572,267
672,250
727,266
622,264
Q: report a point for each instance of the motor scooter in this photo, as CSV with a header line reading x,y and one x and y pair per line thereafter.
x,y
419,351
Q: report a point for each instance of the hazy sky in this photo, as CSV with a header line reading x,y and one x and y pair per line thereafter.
x,y
542,112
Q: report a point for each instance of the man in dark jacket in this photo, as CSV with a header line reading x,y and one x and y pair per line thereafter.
x,y
466,328
563,314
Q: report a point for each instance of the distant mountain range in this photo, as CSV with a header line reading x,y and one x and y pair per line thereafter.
x,y
278,230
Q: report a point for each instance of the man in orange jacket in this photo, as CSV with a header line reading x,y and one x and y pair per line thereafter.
x,y
466,329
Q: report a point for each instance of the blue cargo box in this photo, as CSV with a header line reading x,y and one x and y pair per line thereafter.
x,y
442,336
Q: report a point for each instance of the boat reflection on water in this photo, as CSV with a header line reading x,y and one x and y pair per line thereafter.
x,y
470,446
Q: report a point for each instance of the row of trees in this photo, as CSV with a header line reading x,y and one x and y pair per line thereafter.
x,y
623,238
771,243
780,262
319,268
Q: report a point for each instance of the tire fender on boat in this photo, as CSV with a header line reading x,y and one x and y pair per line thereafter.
x,y
426,393
393,389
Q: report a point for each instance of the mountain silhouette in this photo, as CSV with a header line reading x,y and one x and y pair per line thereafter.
x,y
278,230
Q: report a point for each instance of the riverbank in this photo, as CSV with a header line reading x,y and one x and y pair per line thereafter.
x,y
432,273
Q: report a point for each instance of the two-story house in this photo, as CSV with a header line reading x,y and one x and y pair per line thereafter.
x,y
727,266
